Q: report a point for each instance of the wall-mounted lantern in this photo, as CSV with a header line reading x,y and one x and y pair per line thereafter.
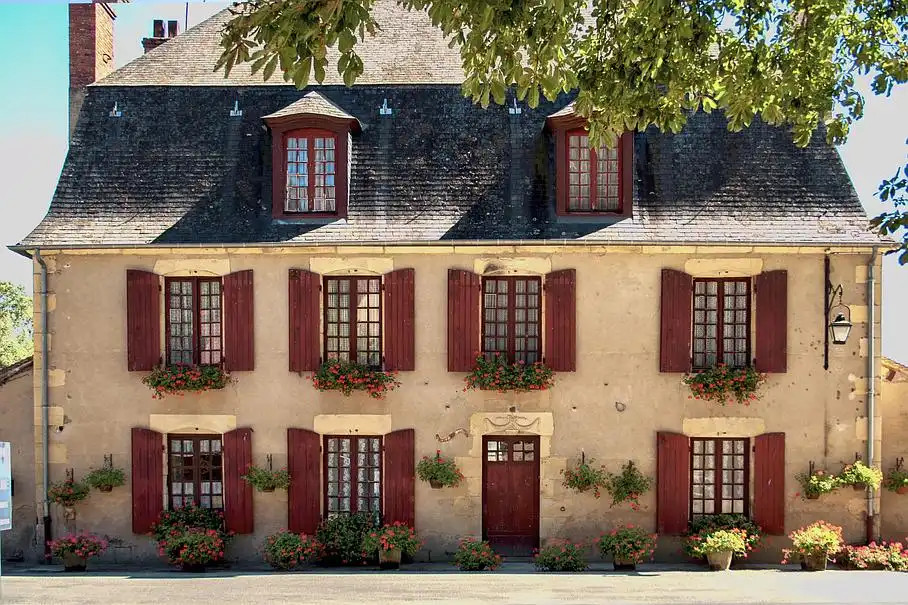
x,y
840,327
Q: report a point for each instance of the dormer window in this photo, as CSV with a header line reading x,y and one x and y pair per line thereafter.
x,y
590,181
310,146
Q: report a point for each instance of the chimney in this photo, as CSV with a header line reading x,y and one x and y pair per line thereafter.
x,y
158,37
90,50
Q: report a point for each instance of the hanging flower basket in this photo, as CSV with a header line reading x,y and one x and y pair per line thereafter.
x,y
349,376
818,483
266,480
896,480
106,478
179,378
439,472
860,476
496,374
722,384
67,493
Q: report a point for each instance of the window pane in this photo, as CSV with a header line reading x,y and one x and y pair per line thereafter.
x,y
579,172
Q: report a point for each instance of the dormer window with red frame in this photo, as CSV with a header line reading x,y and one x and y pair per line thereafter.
x,y
590,181
310,141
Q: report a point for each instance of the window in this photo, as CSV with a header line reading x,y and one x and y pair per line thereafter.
x,y
721,322
353,319
353,473
311,171
194,320
511,318
593,175
195,471
719,476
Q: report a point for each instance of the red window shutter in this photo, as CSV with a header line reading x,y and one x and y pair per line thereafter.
x,y
561,320
672,482
772,321
400,477
147,478
769,483
305,493
143,320
626,161
463,319
400,335
239,322
237,492
305,346
674,349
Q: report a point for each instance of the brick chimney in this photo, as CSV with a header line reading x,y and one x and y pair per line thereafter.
x,y
90,50
158,37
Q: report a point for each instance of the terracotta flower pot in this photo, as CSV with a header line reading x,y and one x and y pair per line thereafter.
x,y
625,564
719,561
389,559
813,496
267,490
72,562
105,488
814,562
902,490
435,484
859,487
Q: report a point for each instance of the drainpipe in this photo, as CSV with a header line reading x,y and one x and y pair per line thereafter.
x,y
45,504
871,388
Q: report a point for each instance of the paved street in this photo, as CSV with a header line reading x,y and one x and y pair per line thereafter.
x,y
510,586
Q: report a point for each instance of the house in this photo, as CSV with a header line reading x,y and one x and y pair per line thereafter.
x,y
17,428
894,410
263,229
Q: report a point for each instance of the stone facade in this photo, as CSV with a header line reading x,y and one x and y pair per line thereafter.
x,y
609,409
17,426
893,408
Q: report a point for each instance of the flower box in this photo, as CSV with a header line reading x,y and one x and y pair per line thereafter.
x,y
722,384
179,378
349,376
496,374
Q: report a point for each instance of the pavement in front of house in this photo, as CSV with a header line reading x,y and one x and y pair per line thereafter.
x,y
434,583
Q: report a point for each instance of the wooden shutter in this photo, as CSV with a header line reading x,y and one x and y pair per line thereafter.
x,y
561,320
400,320
769,483
147,478
772,321
305,320
239,320
305,493
400,477
463,319
237,492
674,350
143,320
672,482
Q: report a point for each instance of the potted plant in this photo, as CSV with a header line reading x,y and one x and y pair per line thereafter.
x,y
896,480
813,545
349,376
860,476
286,550
439,472
266,480
67,493
179,378
700,527
391,541
341,538
193,549
496,374
585,477
77,549
628,485
721,384
106,478
887,556
476,555
561,555
720,546
628,545
818,483
178,521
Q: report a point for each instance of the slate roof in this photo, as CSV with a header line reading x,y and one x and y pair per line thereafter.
x,y
311,104
175,168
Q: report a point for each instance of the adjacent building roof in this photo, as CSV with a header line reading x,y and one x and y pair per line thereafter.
x,y
894,371
16,369
407,49
177,168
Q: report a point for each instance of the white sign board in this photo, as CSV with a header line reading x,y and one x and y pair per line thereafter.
x,y
6,487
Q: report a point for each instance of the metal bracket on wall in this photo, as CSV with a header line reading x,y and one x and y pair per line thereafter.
x,y
450,436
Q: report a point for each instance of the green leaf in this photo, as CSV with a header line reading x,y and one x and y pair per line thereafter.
x,y
269,69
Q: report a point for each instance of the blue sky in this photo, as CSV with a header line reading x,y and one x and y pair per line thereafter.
x,y
33,131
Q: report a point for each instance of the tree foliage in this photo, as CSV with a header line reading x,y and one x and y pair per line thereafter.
x,y
15,324
895,190
633,63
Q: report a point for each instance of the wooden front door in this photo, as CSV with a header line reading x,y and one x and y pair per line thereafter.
x,y
510,493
